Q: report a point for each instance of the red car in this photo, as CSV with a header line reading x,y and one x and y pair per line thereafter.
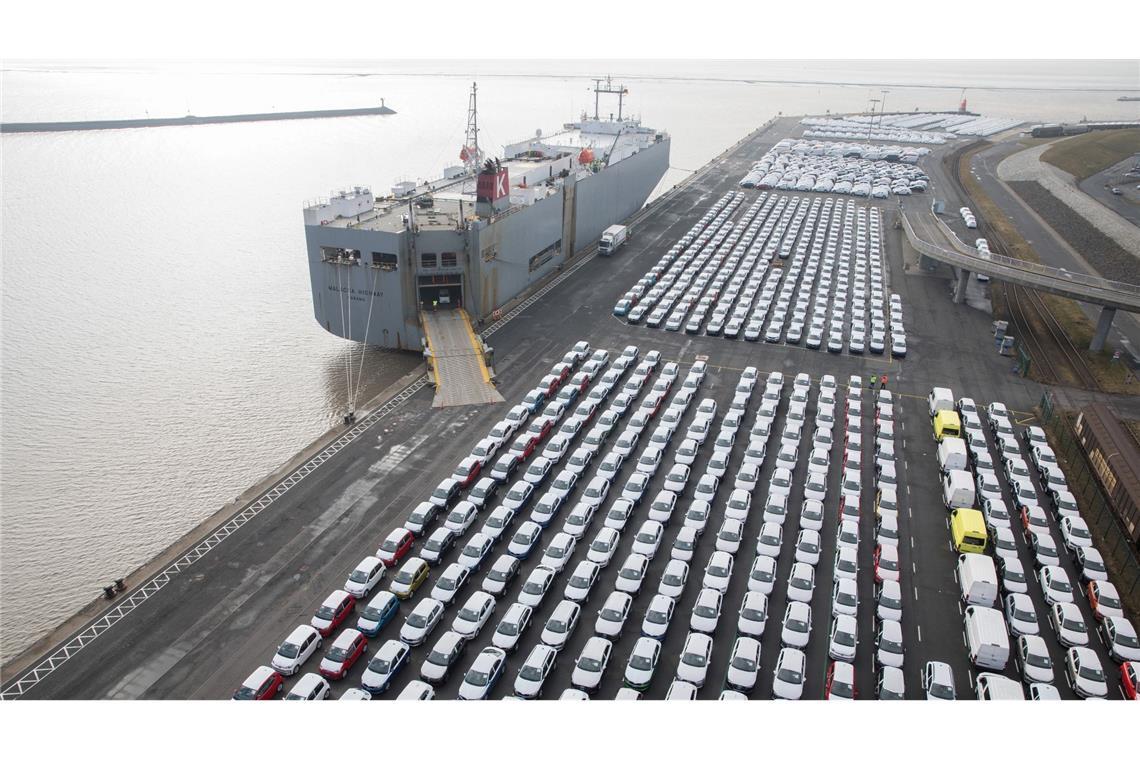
x,y
582,380
468,472
333,612
1130,679
548,385
262,684
561,370
343,654
396,546
540,428
523,446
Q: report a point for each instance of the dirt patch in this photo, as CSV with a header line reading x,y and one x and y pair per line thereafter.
x,y
1085,155
1105,255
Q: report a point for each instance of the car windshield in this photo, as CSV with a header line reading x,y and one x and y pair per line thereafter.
x,y
473,550
530,673
433,545
589,664
289,650
705,611
389,545
417,620
941,690
579,581
612,615
246,692
532,587
647,537
638,662
336,654
380,666
889,645
447,584
789,676
743,663
1021,613
476,678
1124,639
1040,661
694,659
326,613
797,625
496,521
1092,674
470,615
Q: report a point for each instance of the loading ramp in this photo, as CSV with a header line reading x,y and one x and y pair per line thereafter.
x,y
455,353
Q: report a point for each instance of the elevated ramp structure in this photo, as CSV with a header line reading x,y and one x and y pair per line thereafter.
x,y
930,236
455,354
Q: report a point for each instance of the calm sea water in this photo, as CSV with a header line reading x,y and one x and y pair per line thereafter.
x,y
159,350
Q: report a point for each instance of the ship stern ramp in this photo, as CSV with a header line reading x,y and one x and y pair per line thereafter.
x,y
455,354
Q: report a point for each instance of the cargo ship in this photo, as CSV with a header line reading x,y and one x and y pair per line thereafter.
x,y
482,233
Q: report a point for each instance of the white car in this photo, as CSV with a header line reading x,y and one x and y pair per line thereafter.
x,y
1034,660
561,624
451,581
844,597
1055,585
788,679
603,547
747,475
534,671
1084,673
648,538
1075,533
310,687
558,552
770,540
781,482
762,575
844,638
658,616
423,619
642,663
1120,638
811,515
730,536
447,650
673,578
776,508
473,615
591,664
888,601
753,616
694,661
706,611
512,626
808,547
801,582
846,564
718,571
889,645
677,478
684,545
612,616
364,578
582,581
384,665
1068,624
938,681
536,585
662,506
797,625
1020,615
296,650
632,574
483,674
697,516
686,452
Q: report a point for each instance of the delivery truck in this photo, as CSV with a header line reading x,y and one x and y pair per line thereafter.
x,y
958,490
987,638
613,238
977,579
951,454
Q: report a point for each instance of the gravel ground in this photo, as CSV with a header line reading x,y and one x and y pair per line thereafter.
x,y
1104,254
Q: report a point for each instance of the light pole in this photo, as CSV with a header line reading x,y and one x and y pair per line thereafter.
x,y
871,121
884,108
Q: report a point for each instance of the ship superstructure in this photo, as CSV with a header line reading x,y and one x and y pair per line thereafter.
x,y
480,234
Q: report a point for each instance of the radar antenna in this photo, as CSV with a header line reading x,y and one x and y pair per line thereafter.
x,y
609,89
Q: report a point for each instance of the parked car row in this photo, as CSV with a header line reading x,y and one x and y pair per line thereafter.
x,y
856,128
835,167
1015,628
725,280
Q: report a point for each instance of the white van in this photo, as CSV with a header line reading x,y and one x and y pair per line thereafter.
x,y
958,490
951,454
987,638
940,400
977,579
990,686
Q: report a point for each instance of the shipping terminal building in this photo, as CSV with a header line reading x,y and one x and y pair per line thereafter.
x,y
480,235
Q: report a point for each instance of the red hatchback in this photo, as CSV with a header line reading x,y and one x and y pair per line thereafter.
x,y
1130,679
343,654
262,684
333,612
468,471
396,546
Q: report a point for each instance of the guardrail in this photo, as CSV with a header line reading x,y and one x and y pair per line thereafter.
x,y
1030,274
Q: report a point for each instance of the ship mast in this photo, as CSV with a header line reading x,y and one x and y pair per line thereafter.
x,y
609,89
471,154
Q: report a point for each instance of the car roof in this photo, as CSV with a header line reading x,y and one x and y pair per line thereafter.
x,y
347,637
258,676
299,634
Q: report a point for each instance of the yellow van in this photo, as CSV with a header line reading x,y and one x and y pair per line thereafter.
x,y
968,530
947,424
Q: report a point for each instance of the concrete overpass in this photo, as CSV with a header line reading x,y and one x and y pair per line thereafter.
x,y
931,237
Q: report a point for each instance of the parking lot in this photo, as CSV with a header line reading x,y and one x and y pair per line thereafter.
x,y
755,277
